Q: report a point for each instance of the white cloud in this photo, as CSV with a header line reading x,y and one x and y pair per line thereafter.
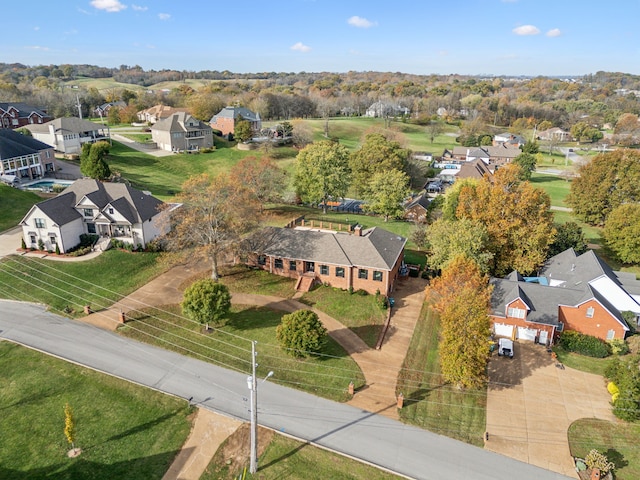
x,y
38,47
164,16
139,8
526,30
360,22
301,47
108,5
554,32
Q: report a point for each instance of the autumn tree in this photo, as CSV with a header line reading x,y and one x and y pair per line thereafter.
x,y
434,128
262,177
376,154
447,240
387,192
242,130
206,301
214,216
622,232
516,216
322,172
452,196
69,425
92,160
113,116
568,235
301,136
583,132
301,333
607,181
461,296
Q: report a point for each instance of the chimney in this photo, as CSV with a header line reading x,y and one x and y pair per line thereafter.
x,y
357,230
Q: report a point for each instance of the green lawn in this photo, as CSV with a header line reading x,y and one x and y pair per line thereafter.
x,y
618,441
582,362
431,403
14,205
98,282
125,431
286,458
229,346
557,188
360,313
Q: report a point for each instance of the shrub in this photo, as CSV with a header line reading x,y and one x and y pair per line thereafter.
x,y
618,346
88,239
584,344
40,244
57,249
23,244
612,388
206,301
301,333
595,459
626,377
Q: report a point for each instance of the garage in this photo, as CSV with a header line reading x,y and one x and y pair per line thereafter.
x,y
503,330
525,333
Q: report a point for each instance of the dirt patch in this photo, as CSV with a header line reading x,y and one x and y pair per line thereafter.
x,y
234,454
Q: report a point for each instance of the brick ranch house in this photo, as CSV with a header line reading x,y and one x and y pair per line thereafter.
x,y
571,292
367,260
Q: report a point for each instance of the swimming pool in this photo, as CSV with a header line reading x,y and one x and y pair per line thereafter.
x,y
47,185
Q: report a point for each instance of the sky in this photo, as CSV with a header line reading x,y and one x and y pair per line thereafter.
x,y
467,37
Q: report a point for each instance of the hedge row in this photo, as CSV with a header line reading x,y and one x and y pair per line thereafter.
x,y
584,344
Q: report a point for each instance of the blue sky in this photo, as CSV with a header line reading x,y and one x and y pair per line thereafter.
x,y
498,37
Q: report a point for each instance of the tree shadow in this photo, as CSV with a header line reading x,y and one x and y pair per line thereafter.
x,y
617,458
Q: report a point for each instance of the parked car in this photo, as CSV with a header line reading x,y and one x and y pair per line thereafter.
x,y
505,347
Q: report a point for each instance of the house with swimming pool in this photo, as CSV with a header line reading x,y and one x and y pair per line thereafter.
x,y
23,157
109,210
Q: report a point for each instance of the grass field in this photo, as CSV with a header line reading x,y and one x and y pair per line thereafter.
x,y
618,441
582,362
125,431
97,282
229,346
431,403
14,205
556,187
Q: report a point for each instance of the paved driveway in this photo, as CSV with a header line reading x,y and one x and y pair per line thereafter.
x,y
531,403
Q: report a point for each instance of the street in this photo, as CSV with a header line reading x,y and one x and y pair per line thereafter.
x,y
375,439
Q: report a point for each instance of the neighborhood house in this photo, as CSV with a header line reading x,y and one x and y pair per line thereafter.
x,y
111,210
182,132
571,292
16,115
225,120
366,260
67,134
24,157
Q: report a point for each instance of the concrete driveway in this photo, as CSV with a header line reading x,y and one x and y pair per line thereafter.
x,y
531,403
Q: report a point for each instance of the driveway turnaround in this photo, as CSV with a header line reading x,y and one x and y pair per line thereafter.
x,y
366,436
531,403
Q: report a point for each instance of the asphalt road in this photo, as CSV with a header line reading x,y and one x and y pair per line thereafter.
x,y
403,449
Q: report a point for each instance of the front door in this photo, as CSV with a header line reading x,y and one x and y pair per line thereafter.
x,y
309,267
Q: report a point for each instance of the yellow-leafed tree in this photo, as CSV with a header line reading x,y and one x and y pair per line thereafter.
x,y
69,425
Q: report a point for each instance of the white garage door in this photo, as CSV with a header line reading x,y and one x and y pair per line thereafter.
x,y
502,330
527,333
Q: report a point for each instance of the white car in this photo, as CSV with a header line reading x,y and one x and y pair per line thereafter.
x,y
505,347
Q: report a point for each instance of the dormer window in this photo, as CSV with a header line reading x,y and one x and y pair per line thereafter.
x,y
111,210
590,312
515,312
88,212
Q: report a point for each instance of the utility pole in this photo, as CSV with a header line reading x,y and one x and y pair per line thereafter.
x,y
253,467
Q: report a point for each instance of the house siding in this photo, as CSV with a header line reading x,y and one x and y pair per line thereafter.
x,y
521,322
225,125
575,318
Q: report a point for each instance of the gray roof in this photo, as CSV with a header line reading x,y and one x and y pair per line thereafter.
x,y
178,122
67,124
24,110
13,144
235,112
375,248
576,270
423,201
134,205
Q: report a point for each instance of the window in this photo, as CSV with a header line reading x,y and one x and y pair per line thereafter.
x,y
377,276
88,212
110,211
32,238
324,270
340,272
262,260
590,312
39,222
611,334
515,312
363,273
292,265
52,240
278,263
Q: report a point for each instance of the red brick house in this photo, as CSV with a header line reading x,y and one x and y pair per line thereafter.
x,y
573,292
364,260
16,115
226,119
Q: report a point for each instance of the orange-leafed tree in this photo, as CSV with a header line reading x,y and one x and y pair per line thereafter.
x,y
262,177
517,217
214,217
461,296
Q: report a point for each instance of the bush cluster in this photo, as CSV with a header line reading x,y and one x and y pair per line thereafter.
x,y
624,387
584,344
115,243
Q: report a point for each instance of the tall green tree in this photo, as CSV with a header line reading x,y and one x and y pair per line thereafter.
x,y
242,130
206,301
449,239
517,217
622,232
583,132
377,154
568,235
461,296
322,172
527,164
387,192
607,181
92,160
